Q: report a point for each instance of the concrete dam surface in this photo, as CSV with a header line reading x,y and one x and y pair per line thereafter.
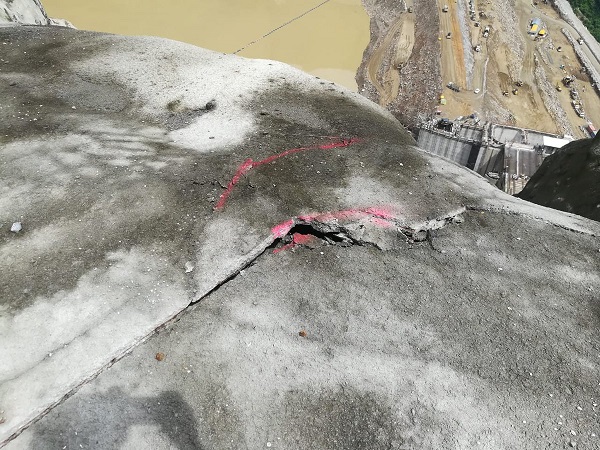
x,y
203,251
327,39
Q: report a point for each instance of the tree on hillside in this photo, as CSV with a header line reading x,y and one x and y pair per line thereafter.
x,y
589,13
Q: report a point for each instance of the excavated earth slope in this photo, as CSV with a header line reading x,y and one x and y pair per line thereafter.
x,y
569,180
203,251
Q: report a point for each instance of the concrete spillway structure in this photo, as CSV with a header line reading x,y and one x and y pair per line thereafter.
x,y
507,156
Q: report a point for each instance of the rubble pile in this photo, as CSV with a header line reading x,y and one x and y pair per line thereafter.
x,y
505,16
551,101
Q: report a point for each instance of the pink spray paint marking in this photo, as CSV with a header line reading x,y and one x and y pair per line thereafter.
x,y
248,165
379,216
282,229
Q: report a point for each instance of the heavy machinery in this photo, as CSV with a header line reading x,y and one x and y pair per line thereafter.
x,y
568,80
453,87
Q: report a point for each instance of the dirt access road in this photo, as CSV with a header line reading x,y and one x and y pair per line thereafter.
x,y
410,85
452,47
398,42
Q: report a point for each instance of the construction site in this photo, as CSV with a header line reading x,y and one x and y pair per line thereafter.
x,y
517,80
506,156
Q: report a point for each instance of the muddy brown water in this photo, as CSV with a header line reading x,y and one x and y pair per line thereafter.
x,y
327,42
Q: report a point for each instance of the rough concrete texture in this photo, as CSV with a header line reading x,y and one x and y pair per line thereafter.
x,y
355,348
569,180
146,174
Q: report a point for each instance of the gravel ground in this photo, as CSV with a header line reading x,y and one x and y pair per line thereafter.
x,y
551,101
505,18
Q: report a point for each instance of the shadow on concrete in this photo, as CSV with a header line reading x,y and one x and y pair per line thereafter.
x,y
103,421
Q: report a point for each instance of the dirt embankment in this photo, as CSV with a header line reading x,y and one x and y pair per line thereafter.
x,y
409,86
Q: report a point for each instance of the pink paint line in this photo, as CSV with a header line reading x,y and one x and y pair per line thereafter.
x,y
248,165
282,229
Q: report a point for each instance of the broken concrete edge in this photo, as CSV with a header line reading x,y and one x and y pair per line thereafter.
x,y
589,229
500,202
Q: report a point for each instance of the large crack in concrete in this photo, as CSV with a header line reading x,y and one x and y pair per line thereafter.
x,y
353,233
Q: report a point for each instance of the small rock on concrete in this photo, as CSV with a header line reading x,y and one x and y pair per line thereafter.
x,y
189,266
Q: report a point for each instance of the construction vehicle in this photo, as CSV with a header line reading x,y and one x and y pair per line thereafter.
x,y
578,109
558,87
445,8
568,80
574,94
591,130
449,35
515,91
410,10
518,83
535,26
477,48
486,31
453,87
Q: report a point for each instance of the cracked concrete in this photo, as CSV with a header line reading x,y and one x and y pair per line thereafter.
x,y
124,226
351,347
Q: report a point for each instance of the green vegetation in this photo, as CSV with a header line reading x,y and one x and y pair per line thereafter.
x,y
589,13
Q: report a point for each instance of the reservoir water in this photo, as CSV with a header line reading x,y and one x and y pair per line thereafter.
x,y
327,39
